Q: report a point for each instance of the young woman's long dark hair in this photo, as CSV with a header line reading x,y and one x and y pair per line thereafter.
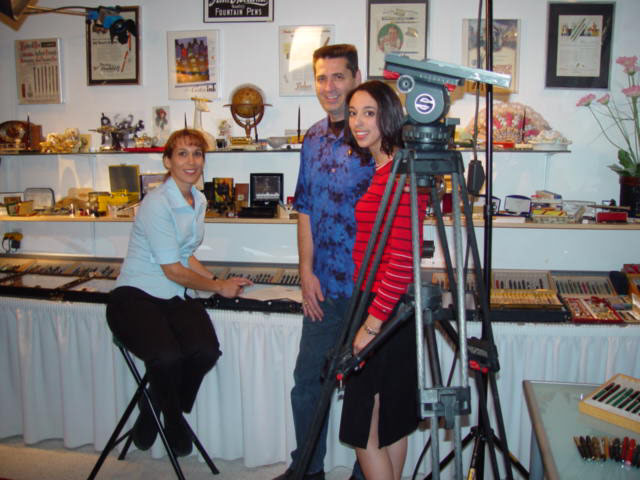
x,y
390,117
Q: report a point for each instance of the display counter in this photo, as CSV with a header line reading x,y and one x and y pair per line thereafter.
x,y
64,378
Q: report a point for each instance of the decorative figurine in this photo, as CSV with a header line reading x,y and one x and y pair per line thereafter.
x,y
201,106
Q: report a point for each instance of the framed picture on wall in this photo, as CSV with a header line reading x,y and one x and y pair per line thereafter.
x,y
113,54
296,45
238,11
194,64
579,45
395,26
38,71
506,48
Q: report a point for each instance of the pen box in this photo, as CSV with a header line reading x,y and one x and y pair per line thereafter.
x,y
616,401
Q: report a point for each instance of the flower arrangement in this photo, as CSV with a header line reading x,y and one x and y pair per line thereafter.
x,y
627,123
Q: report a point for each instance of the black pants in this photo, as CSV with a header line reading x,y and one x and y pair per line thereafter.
x,y
175,339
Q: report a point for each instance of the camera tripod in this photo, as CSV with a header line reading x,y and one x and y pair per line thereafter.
x,y
426,135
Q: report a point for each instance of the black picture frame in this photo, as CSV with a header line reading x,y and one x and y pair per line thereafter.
x,y
411,31
111,61
561,23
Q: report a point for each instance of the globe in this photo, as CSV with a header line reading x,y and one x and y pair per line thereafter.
x,y
247,107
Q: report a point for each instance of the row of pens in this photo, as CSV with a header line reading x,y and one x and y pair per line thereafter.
x,y
625,451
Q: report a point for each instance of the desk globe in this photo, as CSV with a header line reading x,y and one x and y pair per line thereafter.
x,y
247,107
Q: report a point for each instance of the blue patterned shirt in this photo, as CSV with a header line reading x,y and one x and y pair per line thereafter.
x,y
330,182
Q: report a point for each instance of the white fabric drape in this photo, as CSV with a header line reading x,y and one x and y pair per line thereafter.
x,y
63,378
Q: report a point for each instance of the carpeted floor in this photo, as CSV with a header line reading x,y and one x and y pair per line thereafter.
x,y
49,460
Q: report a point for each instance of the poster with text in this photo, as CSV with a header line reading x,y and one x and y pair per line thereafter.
x,y
38,71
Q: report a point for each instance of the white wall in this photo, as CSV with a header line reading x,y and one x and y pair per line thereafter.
x,y
249,54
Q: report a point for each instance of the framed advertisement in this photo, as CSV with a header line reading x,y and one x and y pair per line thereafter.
x,y
113,54
194,64
38,71
506,48
395,26
579,45
296,46
238,11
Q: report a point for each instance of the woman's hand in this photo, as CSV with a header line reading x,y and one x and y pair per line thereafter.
x,y
369,329
232,287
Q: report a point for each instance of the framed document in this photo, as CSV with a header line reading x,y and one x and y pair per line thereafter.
x,y
506,47
194,64
579,45
297,44
113,54
238,11
395,26
38,71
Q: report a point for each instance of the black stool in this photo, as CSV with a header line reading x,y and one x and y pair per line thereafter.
x,y
116,439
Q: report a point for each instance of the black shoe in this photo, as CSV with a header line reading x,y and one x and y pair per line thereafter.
x,y
144,430
307,476
179,437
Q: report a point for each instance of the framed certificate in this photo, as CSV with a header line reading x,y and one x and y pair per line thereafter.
x,y
395,26
579,45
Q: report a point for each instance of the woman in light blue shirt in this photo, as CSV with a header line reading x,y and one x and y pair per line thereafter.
x,y
150,311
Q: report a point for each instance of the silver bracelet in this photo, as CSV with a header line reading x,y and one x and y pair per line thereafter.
x,y
371,331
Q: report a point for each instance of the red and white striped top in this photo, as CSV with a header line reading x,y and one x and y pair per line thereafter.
x,y
395,269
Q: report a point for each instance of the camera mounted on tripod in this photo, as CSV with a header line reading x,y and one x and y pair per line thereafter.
x,y
426,84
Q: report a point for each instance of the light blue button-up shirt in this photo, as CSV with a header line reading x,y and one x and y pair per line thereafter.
x,y
166,230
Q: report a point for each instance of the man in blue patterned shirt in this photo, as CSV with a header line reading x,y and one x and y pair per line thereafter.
x,y
330,182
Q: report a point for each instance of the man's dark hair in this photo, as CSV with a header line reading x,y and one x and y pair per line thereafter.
x,y
340,50
390,117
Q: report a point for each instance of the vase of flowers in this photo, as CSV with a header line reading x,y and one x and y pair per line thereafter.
x,y
620,125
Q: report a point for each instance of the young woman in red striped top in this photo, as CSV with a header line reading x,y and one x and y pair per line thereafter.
x,y
380,405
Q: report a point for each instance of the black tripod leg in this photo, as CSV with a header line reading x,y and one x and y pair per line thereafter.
x,y
484,421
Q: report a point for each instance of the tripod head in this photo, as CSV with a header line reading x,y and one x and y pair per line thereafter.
x,y
426,84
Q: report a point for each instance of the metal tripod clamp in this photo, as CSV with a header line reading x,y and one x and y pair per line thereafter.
x,y
446,402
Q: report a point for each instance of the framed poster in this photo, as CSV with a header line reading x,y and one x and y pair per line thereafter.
x,y
238,11
296,45
506,47
579,45
38,71
395,26
113,54
194,64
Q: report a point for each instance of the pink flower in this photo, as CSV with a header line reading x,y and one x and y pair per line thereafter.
x,y
633,91
586,100
604,99
629,64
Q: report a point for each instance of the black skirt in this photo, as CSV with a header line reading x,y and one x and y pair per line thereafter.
x,y
392,372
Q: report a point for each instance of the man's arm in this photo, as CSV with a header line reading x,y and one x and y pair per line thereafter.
x,y
311,290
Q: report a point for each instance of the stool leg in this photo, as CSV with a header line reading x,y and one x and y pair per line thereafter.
x,y
165,442
114,440
202,450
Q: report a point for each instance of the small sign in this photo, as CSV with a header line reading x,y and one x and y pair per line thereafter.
x,y
238,11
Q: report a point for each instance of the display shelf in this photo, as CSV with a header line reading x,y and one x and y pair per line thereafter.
x,y
115,154
274,221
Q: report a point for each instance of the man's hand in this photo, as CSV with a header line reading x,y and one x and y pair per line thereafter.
x,y
311,296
